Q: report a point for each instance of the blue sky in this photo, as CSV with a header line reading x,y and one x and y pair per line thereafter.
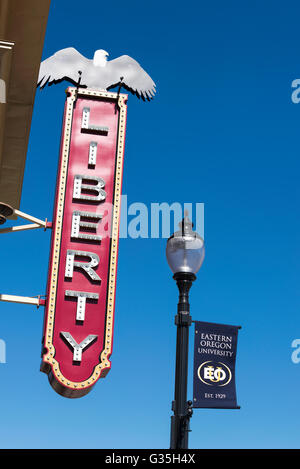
x,y
221,130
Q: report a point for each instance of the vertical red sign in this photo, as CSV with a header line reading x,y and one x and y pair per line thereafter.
x,y
79,315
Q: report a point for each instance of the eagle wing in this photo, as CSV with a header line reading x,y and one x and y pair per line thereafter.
x,y
128,71
64,64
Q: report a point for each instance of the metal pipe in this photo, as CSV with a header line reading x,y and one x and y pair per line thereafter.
x,y
14,229
28,300
29,217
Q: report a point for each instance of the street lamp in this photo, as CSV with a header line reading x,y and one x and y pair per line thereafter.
x,y
185,254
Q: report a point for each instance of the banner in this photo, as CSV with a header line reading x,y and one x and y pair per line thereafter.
x,y
79,315
215,350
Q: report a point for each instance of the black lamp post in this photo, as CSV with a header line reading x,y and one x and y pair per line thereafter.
x,y
185,254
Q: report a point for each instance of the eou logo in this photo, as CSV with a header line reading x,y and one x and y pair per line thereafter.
x,y
296,353
214,373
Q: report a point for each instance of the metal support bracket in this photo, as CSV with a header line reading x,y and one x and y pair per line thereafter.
x,y
26,300
183,319
7,211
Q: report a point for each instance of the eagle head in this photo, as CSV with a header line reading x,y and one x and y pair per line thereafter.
x,y
100,58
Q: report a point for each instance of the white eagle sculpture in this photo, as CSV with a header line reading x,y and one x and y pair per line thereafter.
x,y
68,64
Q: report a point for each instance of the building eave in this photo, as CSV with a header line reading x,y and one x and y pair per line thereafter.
x,y
22,32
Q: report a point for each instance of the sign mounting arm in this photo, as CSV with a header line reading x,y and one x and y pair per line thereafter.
x,y
7,211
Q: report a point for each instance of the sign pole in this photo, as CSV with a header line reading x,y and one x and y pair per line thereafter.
x,y
181,408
